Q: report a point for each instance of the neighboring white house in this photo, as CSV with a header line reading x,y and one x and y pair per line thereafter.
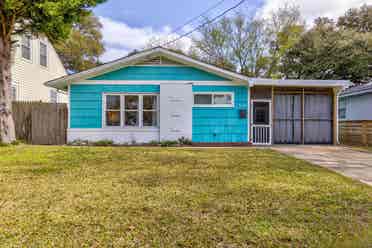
x,y
35,62
356,103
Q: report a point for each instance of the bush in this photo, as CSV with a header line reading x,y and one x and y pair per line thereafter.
x,y
184,141
167,143
103,143
78,142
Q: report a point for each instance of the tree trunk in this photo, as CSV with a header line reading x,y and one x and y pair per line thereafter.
x,y
7,129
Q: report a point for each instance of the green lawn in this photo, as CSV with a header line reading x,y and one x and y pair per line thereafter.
x,y
159,197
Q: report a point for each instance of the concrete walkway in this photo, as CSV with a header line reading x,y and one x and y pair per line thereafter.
x,y
344,160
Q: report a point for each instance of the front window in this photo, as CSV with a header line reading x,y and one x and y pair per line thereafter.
x,y
43,54
26,47
14,92
131,110
214,99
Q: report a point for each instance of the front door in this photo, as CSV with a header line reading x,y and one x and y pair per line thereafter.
x,y
261,122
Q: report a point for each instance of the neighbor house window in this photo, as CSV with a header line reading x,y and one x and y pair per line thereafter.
x,y
342,109
43,54
53,96
131,110
215,99
14,92
26,47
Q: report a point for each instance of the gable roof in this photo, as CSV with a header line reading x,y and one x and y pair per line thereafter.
x,y
62,82
357,90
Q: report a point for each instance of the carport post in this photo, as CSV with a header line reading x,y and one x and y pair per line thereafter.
x,y
336,92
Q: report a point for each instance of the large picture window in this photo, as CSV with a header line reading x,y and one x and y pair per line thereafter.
x,y
131,110
215,99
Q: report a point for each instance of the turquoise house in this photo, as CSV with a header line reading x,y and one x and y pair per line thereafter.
x,y
159,94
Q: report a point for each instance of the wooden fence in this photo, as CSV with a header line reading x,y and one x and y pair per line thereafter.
x,y
40,123
356,133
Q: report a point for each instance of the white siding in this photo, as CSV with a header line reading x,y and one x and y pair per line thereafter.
x,y
30,76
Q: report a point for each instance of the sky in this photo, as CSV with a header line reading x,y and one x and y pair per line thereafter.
x,y
129,25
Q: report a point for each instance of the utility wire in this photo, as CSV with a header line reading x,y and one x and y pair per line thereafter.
x,y
197,17
205,23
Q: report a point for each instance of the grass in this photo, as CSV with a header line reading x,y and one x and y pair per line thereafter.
x,y
158,197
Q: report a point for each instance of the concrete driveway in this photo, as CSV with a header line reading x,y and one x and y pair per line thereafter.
x,y
344,160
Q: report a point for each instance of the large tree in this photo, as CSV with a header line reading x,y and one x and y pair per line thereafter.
x,y
81,51
53,18
326,52
235,43
359,20
285,26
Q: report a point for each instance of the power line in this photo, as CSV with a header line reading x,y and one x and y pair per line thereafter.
x,y
197,17
205,23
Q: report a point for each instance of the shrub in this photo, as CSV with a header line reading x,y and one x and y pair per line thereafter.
x,y
103,143
167,143
78,142
184,141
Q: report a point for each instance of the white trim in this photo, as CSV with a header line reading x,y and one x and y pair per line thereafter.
x,y
213,105
158,82
270,125
122,111
69,107
300,82
131,60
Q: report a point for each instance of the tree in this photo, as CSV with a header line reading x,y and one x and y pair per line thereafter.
x,y
359,20
285,26
81,51
326,52
213,44
249,43
53,18
234,43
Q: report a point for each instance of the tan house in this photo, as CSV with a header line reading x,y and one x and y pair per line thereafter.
x,y
35,62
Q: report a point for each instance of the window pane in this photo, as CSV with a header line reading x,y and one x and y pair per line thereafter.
x,y
14,92
53,96
113,118
202,99
113,102
150,119
149,102
43,54
223,99
26,47
131,102
131,118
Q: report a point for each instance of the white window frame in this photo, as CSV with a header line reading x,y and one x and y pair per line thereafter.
x,y
30,37
53,91
47,54
213,105
14,85
122,111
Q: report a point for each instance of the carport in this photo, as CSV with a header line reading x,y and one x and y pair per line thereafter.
x,y
295,111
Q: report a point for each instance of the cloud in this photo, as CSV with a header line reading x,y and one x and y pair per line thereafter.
x,y
119,38
311,9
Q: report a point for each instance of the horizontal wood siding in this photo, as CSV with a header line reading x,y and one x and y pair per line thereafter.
x,y
86,102
221,125
150,73
356,133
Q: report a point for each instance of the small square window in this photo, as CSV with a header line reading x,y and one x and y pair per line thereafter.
x,y
113,102
113,118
